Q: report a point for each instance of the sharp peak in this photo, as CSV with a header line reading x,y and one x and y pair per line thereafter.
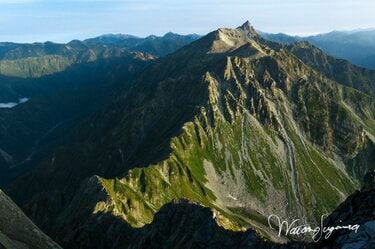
x,y
249,29
246,28
224,40
246,25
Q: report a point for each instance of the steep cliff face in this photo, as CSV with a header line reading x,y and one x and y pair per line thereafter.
x,y
228,122
17,231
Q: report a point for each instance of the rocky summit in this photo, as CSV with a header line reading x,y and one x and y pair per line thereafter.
x,y
242,126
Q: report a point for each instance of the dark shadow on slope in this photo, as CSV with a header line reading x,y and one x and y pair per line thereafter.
x,y
58,103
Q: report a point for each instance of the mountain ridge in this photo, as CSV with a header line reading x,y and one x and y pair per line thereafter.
x,y
225,109
231,121
356,46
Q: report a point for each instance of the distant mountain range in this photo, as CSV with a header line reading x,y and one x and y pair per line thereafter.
x,y
358,47
156,45
38,59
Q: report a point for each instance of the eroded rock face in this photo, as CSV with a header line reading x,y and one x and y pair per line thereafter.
x,y
17,231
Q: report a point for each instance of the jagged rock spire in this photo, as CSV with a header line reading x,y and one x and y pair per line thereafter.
x,y
249,29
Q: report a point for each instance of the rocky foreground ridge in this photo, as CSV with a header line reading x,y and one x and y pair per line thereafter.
x,y
17,231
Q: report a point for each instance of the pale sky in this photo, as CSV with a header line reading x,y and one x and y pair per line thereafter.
x,y
62,21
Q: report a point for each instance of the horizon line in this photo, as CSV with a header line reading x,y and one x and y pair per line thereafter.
x,y
294,34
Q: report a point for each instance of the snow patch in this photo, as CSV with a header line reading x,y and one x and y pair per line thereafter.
x,y
13,104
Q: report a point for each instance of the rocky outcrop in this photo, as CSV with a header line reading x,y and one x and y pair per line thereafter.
x,y
359,209
17,231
